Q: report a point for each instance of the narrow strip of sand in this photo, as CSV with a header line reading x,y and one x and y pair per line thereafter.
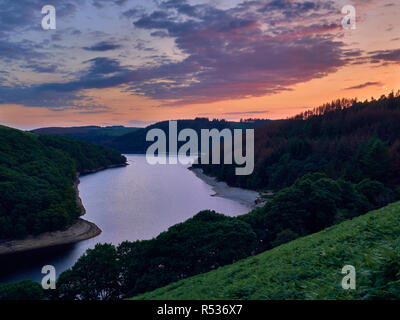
x,y
221,189
78,231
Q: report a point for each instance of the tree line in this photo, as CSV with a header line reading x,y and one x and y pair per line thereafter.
x,y
345,139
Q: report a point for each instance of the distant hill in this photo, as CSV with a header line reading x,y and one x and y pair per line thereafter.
x,y
133,140
309,267
37,174
93,134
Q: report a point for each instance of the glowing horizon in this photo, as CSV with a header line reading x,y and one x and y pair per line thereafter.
x,y
133,63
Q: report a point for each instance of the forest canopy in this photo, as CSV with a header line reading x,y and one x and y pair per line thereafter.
x,y
345,139
37,174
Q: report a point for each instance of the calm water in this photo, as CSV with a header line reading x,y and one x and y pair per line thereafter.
x,y
130,203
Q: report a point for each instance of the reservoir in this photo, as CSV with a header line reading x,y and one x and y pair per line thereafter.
x,y
135,202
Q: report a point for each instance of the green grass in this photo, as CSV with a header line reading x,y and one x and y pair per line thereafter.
x,y
309,267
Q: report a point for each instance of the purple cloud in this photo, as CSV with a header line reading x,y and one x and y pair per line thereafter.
x,y
103,46
231,57
386,55
248,50
364,85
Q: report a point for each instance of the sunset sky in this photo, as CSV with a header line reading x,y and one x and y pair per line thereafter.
x,y
134,62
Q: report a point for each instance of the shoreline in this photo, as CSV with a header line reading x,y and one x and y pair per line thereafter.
x,y
78,231
111,166
246,197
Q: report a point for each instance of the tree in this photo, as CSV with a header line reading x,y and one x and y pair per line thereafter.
x,y
374,159
205,242
377,194
23,290
95,276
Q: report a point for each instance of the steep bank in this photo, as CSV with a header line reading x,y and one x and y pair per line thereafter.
x,y
77,231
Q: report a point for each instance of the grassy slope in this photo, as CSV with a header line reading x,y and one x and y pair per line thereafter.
x,y
307,268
